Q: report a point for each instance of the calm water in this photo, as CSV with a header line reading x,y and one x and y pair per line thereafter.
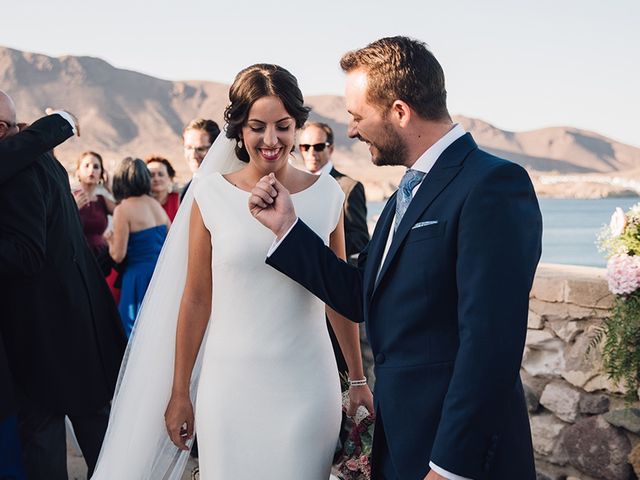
x,y
570,227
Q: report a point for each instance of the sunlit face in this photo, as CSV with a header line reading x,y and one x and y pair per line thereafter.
x,y
315,160
160,181
196,145
369,125
89,170
269,134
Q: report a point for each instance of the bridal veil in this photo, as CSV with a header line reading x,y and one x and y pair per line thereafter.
x,y
136,445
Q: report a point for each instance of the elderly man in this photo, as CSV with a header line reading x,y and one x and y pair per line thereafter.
x,y
60,327
16,153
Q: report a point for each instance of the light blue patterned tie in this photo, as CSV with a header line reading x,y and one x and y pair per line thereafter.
x,y
405,193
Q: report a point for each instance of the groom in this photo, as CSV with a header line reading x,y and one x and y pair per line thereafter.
x,y
444,283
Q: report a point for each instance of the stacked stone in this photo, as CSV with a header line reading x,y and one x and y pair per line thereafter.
x,y
582,428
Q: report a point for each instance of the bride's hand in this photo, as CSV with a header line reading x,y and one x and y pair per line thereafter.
x,y
178,419
360,395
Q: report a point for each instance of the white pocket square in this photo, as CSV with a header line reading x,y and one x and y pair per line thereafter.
x,y
424,224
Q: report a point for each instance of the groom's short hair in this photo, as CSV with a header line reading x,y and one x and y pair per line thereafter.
x,y
401,68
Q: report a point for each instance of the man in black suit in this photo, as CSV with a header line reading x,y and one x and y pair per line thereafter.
x,y
60,327
444,284
16,153
316,147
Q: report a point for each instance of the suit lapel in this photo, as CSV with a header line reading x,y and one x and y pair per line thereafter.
x,y
443,172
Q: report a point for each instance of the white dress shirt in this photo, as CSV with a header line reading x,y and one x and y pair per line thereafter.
x,y
326,169
68,118
424,164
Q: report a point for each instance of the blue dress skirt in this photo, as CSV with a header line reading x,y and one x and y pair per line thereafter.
x,y
143,250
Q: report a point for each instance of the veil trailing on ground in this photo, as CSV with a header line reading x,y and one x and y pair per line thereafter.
x,y
136,445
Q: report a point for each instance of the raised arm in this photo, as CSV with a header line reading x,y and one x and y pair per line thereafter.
x,y
303,256
19,151
193,317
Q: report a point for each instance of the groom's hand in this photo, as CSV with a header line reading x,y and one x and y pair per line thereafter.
x,y
270,203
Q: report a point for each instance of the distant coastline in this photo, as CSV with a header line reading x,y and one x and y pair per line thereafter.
x,y
560,187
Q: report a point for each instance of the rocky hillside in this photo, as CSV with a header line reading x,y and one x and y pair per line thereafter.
x,y
128,113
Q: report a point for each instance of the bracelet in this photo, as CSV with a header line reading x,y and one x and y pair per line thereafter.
x,y
358,383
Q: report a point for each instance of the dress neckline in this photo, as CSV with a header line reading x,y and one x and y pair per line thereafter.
x,y
148,228
234,187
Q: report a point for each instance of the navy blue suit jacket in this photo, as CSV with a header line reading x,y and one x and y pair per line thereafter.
x,y
446,316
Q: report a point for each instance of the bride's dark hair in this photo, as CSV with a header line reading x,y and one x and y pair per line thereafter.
x,y
257,81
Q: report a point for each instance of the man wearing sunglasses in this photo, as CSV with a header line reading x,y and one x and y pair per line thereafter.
x,y
316,147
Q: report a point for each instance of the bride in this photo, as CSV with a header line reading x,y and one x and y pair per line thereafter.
x,y
250,349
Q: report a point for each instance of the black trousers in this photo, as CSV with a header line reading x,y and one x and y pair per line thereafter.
x,y
43,437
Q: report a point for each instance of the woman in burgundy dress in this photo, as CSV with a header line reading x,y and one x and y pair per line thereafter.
x,y
94,209
162,174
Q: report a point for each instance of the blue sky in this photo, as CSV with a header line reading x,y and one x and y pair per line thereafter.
x,y
519,65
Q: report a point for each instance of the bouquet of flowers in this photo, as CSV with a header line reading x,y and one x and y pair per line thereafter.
x,y
620,241
353,462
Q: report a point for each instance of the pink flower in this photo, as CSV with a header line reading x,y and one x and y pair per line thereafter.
x,y
352,464
623,274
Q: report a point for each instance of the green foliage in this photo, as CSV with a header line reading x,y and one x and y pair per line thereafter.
x,y
620,339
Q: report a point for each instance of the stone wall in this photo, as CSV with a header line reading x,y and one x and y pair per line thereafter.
x,y
581,426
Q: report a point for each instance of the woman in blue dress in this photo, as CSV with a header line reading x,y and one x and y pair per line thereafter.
x,y
140,226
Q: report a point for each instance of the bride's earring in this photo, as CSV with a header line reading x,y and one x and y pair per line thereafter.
x,y
240,143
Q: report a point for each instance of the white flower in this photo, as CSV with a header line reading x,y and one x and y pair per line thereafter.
x,y
618,222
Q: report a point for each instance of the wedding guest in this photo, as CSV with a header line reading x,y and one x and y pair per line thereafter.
x,y
162,175
444,284
60,327
140,226
94,207
316,147
197,138
17,152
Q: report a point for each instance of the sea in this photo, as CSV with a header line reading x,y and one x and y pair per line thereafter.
x,y
570,227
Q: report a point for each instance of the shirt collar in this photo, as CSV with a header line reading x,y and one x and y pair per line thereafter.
x,y
426,161
326,169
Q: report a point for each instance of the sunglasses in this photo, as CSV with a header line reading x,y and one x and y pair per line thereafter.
x,y
318,147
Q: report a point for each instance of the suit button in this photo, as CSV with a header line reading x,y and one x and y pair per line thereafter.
x,y
380,358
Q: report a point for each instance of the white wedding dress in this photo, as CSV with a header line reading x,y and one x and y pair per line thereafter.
x,y
265,384
268,403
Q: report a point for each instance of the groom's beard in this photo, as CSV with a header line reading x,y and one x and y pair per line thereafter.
x,y
391,150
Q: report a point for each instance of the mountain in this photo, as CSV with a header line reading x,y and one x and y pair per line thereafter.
x,y
122,112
